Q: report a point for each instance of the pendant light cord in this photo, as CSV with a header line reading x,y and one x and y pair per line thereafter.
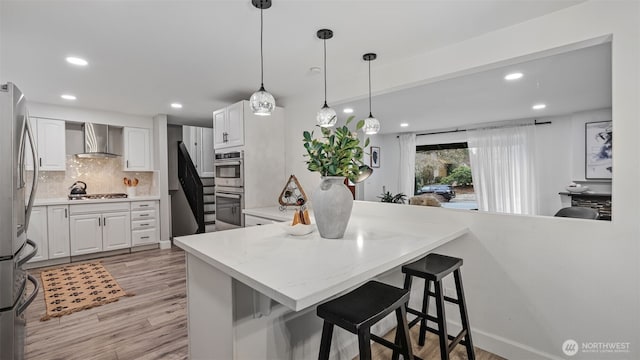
x,y
325,71
261,56
370,89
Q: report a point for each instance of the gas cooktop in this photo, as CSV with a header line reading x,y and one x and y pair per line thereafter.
x,y
97,196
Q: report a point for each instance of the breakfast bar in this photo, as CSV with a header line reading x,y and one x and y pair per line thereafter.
x,y
252,292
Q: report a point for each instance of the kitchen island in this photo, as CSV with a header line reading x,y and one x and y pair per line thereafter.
x,y
252,292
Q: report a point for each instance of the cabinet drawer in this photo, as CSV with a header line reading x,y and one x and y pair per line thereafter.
x,y
143,205
143,224
141,237
98,208
143,215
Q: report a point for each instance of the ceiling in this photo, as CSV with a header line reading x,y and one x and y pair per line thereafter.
x,y
570,82
143,55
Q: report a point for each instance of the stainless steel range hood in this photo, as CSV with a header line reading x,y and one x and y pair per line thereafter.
x,y
97,142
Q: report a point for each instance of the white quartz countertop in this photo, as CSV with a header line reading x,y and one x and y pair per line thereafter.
x,y
302,271
65,201
274,213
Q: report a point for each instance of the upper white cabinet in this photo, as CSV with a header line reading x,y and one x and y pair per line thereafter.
x,y
199,143
51,145
137,149
228,126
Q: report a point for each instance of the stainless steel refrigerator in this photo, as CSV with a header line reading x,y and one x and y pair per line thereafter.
x,y
15,209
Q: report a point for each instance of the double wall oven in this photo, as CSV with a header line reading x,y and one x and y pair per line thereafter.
x,y
229,175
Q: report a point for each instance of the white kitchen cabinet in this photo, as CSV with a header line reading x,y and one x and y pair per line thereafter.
x,y
144,227
37,232
85,233
58,231
51,145
99,227
116,231
137,149
228,126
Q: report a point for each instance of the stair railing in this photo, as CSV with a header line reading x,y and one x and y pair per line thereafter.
x,y
191,184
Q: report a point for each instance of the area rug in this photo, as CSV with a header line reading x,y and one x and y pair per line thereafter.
x,y
78,287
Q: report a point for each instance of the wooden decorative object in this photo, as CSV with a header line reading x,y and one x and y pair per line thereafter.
x,y
292,194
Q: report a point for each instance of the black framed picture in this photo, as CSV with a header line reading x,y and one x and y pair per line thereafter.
x,y
598,144
375,157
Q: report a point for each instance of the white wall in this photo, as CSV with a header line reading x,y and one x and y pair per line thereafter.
x,y
534,282
387,174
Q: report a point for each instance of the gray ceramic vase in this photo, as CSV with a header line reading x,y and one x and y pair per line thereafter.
x,y
332,204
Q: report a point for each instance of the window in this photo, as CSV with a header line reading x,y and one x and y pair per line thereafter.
x,y
444,171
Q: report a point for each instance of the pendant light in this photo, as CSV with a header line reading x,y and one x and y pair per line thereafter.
x,y
371,124
364,171
326,116
262,103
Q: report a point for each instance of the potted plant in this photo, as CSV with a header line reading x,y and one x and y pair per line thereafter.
x,y
336,155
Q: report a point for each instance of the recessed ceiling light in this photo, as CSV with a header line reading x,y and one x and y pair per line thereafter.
x,y
513,76
347,110
68,97
77,61
176,105
404,124
538,106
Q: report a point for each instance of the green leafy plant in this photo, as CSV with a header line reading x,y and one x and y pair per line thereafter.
x,y
337,152
388,197
460,175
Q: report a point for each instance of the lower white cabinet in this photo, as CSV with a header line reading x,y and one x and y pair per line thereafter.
x,y
144,219
37,232
99,227
58,231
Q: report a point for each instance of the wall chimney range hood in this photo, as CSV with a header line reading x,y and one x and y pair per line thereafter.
x,y
98,141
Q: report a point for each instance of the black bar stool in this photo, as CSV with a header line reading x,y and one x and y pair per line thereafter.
x,y
433,268
360,309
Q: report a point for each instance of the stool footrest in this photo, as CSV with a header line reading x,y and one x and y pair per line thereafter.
x,y
461,342
385,342
420,314
457,340
446,298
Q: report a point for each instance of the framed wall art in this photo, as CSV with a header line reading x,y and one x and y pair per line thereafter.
x,y
375,157
598,150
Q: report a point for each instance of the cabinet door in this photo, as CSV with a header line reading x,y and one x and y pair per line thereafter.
x,y
58,231
137,149
205,166
38,232
85,234
219,128
51,145
116,231
235,124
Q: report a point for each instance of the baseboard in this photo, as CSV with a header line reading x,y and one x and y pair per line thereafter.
x,y
165,244
144,247
47,263
501,346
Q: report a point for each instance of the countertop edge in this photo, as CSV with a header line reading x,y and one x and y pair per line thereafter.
x,y
47,202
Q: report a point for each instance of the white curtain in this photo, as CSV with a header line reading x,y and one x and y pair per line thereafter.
x,y
503,169
406,180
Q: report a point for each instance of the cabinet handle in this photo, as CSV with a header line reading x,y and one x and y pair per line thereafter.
x,y
144,224
146,205
127,164
144,215
99,222
65,213
40,162
104,221
144,237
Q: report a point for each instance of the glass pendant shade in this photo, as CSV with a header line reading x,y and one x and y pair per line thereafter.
x,y
371,125
262,102
364,172
326,116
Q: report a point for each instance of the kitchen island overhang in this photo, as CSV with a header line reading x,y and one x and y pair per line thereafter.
x,y
297,272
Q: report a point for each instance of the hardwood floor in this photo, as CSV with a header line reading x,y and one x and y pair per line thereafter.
x,y
150,325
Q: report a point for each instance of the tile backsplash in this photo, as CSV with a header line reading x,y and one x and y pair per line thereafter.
x,y
101,175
